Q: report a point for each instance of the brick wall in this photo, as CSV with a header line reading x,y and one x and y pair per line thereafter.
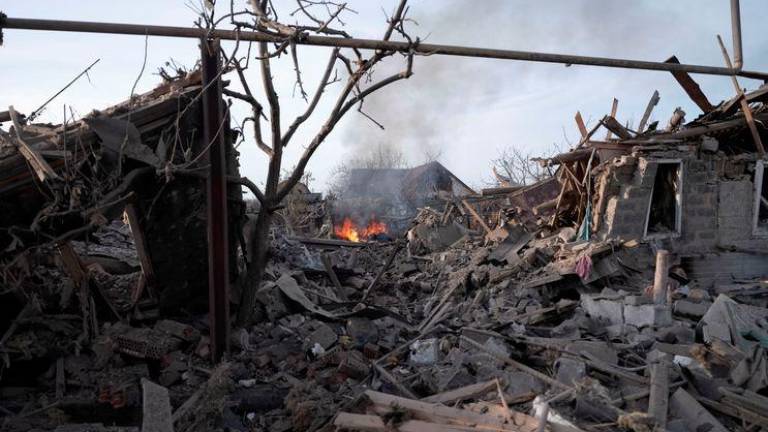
x,y
717,202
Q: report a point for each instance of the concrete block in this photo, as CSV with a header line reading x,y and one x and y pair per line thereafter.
x,y
636,300
709,144
648,315
570,371
611,311
424,352
323,336
156,406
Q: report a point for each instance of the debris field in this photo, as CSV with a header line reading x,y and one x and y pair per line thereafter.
x,y
626,290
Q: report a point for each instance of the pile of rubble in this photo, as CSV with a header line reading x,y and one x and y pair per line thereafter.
x,y
586,301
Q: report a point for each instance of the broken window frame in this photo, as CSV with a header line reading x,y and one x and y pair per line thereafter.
x,y
757,230
678,199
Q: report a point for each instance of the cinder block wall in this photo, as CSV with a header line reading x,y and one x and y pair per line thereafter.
x,y
717,207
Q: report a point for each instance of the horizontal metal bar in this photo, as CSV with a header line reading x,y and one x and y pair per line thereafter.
x,y
372,44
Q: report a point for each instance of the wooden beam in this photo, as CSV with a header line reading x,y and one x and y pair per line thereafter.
x,y
384,403
648,110
477,217
374,423
658,401
580,123
142,250
462,393
691,87
41,167
614,109
332,276
614,126
744,105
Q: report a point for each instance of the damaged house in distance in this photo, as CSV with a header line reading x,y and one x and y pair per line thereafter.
x,y
382,201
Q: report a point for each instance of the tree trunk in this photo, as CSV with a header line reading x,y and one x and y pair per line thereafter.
x,y
259,252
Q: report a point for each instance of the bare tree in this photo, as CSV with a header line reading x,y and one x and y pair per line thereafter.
x,y
515,167
319,17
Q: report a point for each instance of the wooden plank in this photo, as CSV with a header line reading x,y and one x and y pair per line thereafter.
x,y
374,423
614,109
388,377
691,87
648,110
477,217
328,242
384,403
142,250
41,167
61,383
580,124
74,268
333,277
743,101
614,126
658,401
462,393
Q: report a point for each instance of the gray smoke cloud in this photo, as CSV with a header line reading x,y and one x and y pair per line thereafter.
x,y
418,114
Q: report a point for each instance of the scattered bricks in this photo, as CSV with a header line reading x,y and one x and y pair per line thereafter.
x,y
648,315
353,365
371,351
424,352
691,309
144,343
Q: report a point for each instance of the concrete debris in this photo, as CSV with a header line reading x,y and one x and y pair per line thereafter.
x,y
625,291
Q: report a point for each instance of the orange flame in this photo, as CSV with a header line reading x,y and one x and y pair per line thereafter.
x,y
348,230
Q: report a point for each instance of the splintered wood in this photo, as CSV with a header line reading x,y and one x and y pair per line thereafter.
x,y
424,416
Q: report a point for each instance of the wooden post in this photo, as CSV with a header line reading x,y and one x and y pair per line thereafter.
x,y
658,400
660,280
216,188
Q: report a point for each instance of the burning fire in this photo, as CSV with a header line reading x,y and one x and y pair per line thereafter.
x,y
348,230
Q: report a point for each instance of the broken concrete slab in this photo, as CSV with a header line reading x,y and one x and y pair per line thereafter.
x,y
156,408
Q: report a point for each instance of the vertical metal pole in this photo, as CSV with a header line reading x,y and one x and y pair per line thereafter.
x,y
218,251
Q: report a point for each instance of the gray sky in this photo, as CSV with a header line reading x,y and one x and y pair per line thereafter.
x,y
465,109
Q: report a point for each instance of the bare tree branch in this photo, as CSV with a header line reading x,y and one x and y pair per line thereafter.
x,y
324,82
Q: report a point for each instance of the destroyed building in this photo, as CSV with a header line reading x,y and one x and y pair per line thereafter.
x,y
696,191
626,292
393,196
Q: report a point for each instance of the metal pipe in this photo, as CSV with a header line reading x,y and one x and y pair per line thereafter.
x,y
372,44
738,59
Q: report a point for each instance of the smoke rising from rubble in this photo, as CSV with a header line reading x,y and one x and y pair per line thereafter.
x,y
419,113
